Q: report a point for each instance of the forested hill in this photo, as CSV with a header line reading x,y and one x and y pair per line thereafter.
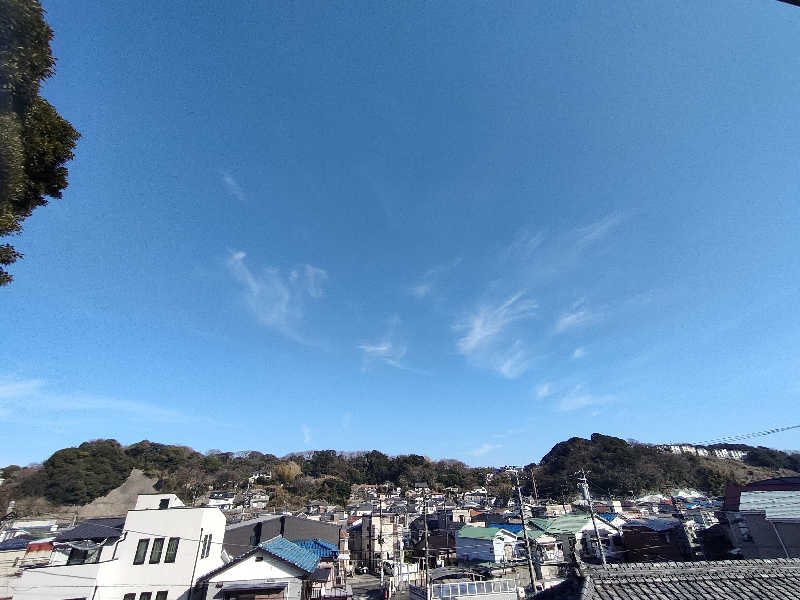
x,y
624,468
76,476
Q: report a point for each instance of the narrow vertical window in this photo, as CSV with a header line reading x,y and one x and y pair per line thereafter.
x,y
162,595
129,597
155,553
145,596
172,550
141,551
208,547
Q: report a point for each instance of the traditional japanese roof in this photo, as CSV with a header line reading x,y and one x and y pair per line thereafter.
x,y
290,552
319,547
765,579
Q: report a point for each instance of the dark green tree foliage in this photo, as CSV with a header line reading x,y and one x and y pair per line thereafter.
x,y
79,475
619,468
35,141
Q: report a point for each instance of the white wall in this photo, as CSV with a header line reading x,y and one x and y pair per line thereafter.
x,y
115,574
152,501
250,568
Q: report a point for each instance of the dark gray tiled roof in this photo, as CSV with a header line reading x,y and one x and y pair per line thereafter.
x,y
767,579
93,529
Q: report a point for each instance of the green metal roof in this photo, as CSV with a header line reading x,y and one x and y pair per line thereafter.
x,y
560,525
479,533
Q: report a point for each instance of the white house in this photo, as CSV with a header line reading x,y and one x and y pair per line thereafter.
x,y
277,569
486,544
158,553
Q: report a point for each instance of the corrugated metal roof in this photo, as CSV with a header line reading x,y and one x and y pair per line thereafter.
x,y
778,504
560,525
292,553
480,533
17,543
319,547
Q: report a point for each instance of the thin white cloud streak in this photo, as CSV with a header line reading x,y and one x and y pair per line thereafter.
x,y
487,322
23,399
578,398
544,390
554,255
306,430
514,362
233,187
431,278
276,301
579,352
594,232
485,336
387,350
315,278
484,449
577,316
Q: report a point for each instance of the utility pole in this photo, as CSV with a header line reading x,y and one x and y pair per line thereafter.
x,y
584,485
536,574
380,536
427,560
535,491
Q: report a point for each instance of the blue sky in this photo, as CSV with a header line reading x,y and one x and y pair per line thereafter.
x,y
465,230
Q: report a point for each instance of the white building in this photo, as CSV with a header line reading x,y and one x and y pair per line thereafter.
x,y
163,549
486,544
276,569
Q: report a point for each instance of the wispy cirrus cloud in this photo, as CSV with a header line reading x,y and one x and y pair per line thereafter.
x,y
577,316
482,326
485,336
315,279
484,449
430,279
388,350
543,390
233,187
579,352
277,301
306,431
27,400
578,398
598,230
537,256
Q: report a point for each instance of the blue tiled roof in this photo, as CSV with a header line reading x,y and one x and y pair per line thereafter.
x,y
319,547
292,553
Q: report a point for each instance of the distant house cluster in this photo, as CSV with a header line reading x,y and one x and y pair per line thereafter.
x,y
703,451
454,543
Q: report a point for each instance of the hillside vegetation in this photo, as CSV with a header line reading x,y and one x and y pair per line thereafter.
x,y
76,476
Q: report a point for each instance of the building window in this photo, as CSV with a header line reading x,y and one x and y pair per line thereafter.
x,y
172,550
77,557
162,595
129,597
141,551
162,504
206,546
145,596
155,553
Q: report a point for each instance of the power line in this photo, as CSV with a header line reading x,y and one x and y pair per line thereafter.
x,y
741,436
